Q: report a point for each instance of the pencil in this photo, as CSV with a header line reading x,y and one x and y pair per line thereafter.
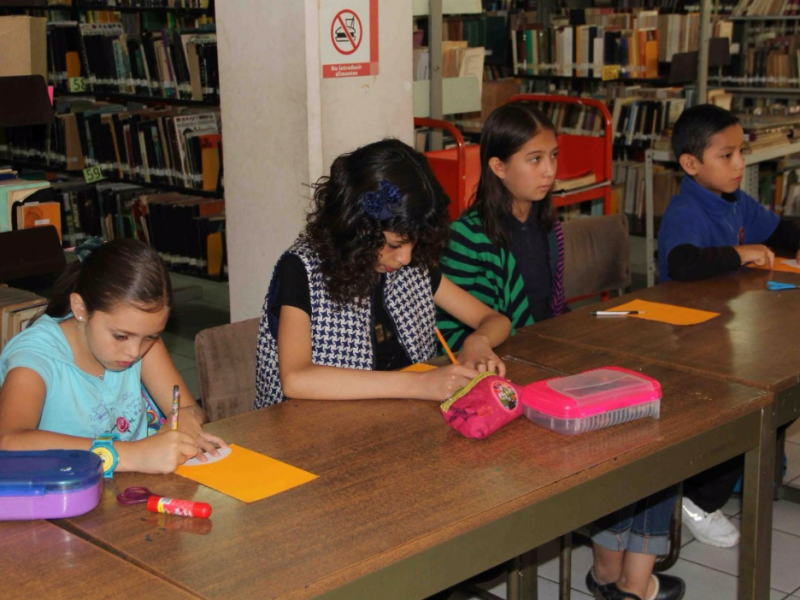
x,y
176,396
446,347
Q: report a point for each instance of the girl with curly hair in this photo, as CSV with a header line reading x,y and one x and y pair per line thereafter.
x,y
354,299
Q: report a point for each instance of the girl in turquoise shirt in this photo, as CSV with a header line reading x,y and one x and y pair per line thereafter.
x,y
77,372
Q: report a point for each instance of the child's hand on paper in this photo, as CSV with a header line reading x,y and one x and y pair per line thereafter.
x,y
162,453
439,384
191,419
757,254
477,354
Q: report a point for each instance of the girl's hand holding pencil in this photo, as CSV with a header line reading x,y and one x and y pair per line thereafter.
x,y
189,419
477,353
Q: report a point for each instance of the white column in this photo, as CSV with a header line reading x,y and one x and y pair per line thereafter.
x,y
283,124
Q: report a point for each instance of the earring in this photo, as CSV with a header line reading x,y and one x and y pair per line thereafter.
x,y
80,318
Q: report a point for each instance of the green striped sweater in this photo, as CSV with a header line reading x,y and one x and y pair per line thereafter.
x,y
490,273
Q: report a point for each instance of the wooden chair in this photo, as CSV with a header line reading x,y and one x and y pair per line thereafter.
x,y
31,253
597,255
226,366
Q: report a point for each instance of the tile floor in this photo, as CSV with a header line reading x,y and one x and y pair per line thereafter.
x,y
710,573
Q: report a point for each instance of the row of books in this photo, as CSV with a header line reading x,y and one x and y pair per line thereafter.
x,y
25,204
187,231
583,51
639,123
676,32
104,58
133,3
175,146
761,8
772,61
17,310
628,190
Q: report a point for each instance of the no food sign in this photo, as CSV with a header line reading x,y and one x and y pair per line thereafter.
x,y
349,38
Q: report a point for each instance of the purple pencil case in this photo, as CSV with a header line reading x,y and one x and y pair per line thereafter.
x,y
49,484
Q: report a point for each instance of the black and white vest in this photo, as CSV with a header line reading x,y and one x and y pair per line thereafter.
x,y
341,336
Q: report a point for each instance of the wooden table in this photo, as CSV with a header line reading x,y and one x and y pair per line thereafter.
x,y
404,506
40,560
754,341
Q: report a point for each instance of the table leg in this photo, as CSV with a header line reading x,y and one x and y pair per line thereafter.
x,y
755,547
565,568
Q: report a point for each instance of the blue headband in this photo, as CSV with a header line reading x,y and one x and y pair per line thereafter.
x,y
379,203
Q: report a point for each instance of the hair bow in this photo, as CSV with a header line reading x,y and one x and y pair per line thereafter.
x,y
85,249
379,203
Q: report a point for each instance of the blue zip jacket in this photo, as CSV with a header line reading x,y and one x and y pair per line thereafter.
x,y
699,217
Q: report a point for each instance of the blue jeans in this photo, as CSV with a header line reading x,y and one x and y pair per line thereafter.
x,y
641,527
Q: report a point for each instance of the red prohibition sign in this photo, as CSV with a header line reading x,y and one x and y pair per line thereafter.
x,y
346,33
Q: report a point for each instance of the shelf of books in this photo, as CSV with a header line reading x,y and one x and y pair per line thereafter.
x,y
135,149
182,6
463,57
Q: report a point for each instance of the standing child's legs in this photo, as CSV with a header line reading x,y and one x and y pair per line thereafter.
x,y
626,544
703,497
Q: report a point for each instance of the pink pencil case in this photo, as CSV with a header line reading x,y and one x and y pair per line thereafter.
x,y
49,484
591,400
482,406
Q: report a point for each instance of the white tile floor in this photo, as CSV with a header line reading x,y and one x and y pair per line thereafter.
x,y
710,573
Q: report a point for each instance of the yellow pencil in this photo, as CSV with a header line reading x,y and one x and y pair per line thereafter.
x,y
176,395
446,347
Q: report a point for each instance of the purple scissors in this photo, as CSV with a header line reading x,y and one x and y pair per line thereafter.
x,y
134,495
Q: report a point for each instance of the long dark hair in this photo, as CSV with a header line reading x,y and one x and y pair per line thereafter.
x,y
122,271
348,239
507,129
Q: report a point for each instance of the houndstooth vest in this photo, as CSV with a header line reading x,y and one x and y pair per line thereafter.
x,y
341,336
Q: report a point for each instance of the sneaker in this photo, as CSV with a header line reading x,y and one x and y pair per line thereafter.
x,y
713,528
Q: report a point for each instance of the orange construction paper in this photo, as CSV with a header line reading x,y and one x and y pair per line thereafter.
x,y
418,367
246,475
778,266
666,313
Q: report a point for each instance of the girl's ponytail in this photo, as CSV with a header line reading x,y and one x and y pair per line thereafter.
x,y
65,285
121,271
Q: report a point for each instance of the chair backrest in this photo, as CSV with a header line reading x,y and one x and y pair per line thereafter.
x,y
31,253
597,255
226,367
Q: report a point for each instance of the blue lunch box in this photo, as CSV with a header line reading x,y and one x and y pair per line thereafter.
x,y
49,484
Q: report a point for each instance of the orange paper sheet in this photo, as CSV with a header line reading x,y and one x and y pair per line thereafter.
x,y
779,266
418,367
246,475
666,313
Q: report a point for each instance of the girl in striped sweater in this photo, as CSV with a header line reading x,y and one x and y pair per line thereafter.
x,y
507,249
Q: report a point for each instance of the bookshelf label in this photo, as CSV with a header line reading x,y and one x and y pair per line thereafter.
x,y
610,72
77,84
93,174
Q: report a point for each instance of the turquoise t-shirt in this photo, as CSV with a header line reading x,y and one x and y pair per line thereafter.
x,y
77,403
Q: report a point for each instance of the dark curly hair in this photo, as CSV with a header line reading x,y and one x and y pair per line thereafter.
x,y
505,132
348,239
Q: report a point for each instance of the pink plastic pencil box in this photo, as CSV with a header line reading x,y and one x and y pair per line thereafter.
x,y
591,400
49,484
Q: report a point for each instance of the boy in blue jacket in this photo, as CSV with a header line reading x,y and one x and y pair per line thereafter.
x,y
709,228
712,226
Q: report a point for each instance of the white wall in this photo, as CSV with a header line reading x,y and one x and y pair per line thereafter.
x,y
283,124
